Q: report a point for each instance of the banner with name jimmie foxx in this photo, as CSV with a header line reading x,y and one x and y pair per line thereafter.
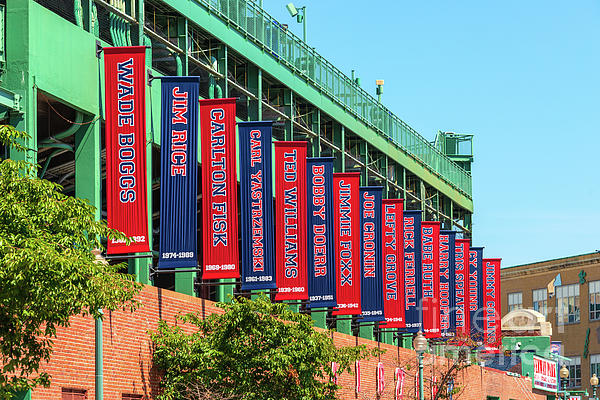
x,y
125,77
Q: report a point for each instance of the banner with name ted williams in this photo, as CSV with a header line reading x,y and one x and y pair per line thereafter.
x,y
321,261
290,220
447,283
461,287
256,203
393,263
347,242
371,284
412,271
492,339
430,283
179,172
126,194
219,189
476,292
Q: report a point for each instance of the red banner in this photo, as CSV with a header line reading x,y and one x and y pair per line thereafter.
x,y
291,220
126,194
399,384
347,242
491,305
219,189
463,325
430,256
393,263
380,378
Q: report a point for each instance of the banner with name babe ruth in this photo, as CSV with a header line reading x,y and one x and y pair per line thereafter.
x,y
476,292
430,282
412,271
347,242
371,283
492,316
393,262
447,283
126,194
461,288
219,189
256,203
179,172
290,220
321,261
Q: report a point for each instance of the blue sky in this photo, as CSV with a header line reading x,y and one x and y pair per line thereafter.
x,y
522,76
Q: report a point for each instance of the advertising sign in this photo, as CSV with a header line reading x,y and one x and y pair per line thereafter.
x,y
545,374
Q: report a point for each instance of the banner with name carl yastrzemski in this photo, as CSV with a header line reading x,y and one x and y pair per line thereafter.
x,y
412,271
447,283
476,292
430,283
179,172
256,203
393,263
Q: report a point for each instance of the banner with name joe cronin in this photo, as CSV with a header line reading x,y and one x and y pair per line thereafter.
x,y
476,292
430,281
447,283
492,339
179,172
256,203
347,242
461,288
290,220
371,284
393,262
219,189
412,271
126,194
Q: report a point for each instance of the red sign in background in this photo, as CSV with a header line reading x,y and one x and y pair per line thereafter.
x,y
430,267
393,262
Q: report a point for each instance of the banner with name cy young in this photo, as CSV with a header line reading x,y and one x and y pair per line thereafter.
x,y
430,282
447,283
347,242
412,271
476,292
256,202
319,230
126,194
393,263
371,284
290,219
461,288
492,315
179,172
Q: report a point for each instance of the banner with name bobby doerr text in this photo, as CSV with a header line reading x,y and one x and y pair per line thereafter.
x,y
393,263
179,172
412,271
256,203
219,189
492,333
430,282
447,283
126,194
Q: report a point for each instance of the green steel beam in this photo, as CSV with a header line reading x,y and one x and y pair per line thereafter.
x,y
316,127
255,87
339,141
288,106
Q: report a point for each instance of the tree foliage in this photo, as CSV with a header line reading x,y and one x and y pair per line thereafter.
x,y
48,268
256,350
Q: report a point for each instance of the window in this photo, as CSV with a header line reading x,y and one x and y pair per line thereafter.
x,y
594,288
595,364
515,301
540,301
574,367
567,302
73,394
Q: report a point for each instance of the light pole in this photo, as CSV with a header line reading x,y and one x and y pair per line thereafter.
x,y
420,345
594,383
300,14
564,375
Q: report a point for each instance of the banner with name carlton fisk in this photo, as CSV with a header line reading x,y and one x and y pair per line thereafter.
x,y
347,242
290,219
126,197
256,202
219,189
447,283
371,284
393,263
461,288
476,292
320,262
412,271
179,172
430,283
492,339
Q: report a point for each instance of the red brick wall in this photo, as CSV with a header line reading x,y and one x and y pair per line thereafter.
x,y
128,367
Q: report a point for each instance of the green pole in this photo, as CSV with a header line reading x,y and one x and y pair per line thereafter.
x,y
99,360
304,24
421,394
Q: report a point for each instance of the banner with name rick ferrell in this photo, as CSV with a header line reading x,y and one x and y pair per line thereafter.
x,y
461,288
219,189
492,339
476,292
447,283
430,232
126,194
290,220
393,263
371,284
321,261
179,172
256,203
347,242
412,271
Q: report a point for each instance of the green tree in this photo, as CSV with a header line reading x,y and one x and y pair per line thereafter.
x,y
49,268
255,350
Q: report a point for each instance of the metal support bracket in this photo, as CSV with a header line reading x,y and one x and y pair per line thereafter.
x,y
98,49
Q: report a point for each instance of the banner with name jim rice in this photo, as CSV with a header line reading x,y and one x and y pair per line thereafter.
x,y
321,265
476,292
461,288
256,202
447,283
126,194
492,339
430,282
347,242
412,271
393,263
219,189
179,172
290,220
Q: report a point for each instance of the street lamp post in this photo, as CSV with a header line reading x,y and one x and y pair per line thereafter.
x,y
564,375
300,14
594,383
420,345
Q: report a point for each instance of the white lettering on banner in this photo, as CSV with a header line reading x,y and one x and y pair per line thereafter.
x,y
544,374
126,141
218,163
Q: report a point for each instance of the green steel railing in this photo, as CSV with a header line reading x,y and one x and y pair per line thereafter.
x,y
291,51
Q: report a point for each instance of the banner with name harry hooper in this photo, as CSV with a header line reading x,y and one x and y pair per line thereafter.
x,y
492,316
412,270
393,263
461,287
476,292
430,282
447,283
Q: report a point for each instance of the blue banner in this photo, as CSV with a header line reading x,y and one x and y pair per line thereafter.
x,y
179,172
413,311
447,283
320,232
371,268
256,205
476,292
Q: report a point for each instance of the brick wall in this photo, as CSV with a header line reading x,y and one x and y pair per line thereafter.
x,y
128,367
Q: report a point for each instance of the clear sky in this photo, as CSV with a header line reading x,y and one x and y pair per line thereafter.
x,y
522,76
